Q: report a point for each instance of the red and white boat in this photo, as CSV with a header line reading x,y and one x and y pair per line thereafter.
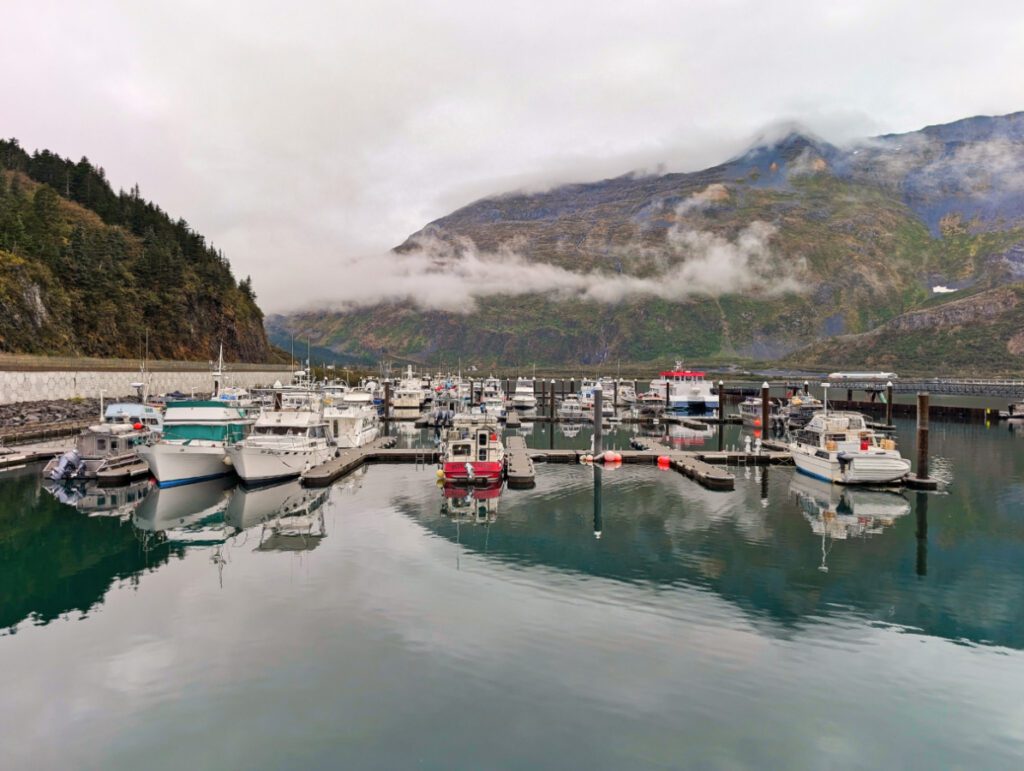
x,y
472,450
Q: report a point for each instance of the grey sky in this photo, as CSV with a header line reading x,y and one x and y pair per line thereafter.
x,y
297,136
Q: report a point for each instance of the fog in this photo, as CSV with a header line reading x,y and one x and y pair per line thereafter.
x,y
305,140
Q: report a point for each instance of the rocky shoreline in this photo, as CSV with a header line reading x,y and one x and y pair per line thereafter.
x,y
48,412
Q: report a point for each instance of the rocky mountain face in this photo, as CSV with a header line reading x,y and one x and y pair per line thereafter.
x,y
87,271
795,243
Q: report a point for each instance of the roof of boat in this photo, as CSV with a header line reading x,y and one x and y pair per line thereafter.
x,y
129,408
288,418
681,373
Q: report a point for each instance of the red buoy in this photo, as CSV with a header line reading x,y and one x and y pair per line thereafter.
x,y
664,461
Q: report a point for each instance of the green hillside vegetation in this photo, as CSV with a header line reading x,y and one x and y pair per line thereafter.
x,y
87,271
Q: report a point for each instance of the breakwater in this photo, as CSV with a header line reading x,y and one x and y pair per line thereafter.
x,y
24,385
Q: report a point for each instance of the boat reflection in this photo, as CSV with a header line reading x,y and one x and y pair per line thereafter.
x,y
837,513
290,516
189,513
473,505
95,500
570,430
683,437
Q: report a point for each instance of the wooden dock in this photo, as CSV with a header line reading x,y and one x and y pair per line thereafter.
x,y
519,470
346,461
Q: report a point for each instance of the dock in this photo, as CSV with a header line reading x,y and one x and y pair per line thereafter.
x,y
519,470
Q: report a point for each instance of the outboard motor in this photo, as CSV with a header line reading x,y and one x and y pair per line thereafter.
x,y
67,467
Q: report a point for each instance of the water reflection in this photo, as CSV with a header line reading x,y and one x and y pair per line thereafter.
x,y
837,513
188,514
473,505
90,498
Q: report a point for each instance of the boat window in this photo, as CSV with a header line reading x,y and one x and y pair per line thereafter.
x,y
481,438
460,451
482,454
836,437
101,444
113,444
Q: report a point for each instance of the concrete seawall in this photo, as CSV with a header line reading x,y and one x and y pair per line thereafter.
x,y
25,386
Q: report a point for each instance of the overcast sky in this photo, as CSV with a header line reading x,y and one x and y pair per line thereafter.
x,y
296,136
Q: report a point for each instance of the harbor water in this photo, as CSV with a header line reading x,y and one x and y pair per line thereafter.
x,y
615,618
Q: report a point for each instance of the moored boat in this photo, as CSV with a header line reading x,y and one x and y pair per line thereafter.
x,y
472,451
839,447
282,444
194,443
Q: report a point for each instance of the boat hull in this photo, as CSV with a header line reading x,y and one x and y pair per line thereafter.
x,y
473,472
179,464
863,469
261,464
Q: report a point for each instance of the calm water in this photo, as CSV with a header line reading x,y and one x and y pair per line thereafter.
x,y
617,619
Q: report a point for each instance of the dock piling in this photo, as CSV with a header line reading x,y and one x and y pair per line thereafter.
x,y
598,439
888,403
922,435
551,417
765,409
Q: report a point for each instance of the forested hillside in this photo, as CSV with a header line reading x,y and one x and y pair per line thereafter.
x,y
85,270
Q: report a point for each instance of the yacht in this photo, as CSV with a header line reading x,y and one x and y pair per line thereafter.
x,y
687,390
571,408
109,448
282,444
352,425
839,447
627,394
524,398
196,436
492,404
472,450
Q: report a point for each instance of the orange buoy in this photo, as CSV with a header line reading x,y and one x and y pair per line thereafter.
x,y
757,422
664,461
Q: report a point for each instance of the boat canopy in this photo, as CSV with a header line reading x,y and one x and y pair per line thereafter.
x,y
231,432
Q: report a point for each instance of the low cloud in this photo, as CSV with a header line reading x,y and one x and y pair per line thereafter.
x,y
452,274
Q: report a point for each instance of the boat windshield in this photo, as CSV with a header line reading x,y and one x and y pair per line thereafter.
x,y
232,432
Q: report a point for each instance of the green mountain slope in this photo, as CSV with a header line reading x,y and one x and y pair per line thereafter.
x,y
87,271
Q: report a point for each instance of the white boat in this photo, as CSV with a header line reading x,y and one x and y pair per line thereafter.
x,y
193,446
571,408
524,397
352,425
687,391
492,404
627,394
1014,413
109,447
839,447
800,409
282,444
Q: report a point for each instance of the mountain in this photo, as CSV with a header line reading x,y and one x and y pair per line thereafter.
x,y
87,271
792,243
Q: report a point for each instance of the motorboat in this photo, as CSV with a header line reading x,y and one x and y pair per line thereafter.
x,y
95,500
524,396
195,441
751,409
472,451
571,408
109,449
839,447
492,404
686,390
352,425
283,443
1014,413
798,412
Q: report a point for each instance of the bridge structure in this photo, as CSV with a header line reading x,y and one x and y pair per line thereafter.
x,y
936,385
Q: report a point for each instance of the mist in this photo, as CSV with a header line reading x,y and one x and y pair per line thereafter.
x,y
298,137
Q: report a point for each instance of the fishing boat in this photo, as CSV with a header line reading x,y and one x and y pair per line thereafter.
x,y
839,447
195,441
750,410
109,449
798,412
282,444
686,391
524,396
571,408
472,451
352,425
